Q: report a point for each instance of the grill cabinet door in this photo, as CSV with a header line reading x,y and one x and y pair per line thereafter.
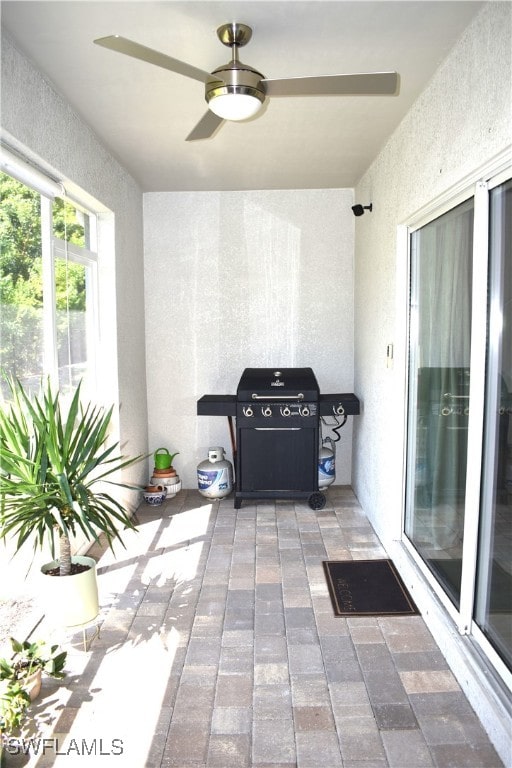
x,y
277,459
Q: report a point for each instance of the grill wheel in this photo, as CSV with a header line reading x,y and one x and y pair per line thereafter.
x,y
317,500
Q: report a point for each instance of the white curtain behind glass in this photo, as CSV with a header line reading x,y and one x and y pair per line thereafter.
x,y
442,277
445,289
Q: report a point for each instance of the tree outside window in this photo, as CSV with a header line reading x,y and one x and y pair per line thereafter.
x,y
25,294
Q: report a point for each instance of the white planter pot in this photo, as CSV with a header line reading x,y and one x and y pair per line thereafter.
x,y
71,601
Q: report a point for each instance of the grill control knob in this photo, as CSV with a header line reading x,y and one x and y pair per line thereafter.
x,y
285,411
248,411
304,411
267,411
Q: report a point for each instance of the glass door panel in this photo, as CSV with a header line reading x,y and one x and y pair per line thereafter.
x,y
493,606
438,407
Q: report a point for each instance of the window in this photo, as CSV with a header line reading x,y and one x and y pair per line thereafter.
x,y
48,274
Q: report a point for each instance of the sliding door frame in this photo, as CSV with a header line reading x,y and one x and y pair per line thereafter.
x,y
476,186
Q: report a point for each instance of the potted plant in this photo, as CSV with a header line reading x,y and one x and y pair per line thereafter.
x,y
55,467
20,680
27,663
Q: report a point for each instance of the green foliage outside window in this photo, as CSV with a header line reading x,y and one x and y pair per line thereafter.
x,y
21,278
20,238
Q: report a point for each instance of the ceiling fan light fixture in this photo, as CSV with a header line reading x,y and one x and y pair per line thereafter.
x,y
235,102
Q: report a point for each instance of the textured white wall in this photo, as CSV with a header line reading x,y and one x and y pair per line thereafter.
x,y
36,118
236,280
461,120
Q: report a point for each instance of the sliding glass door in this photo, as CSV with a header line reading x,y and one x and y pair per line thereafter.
x,y
493,599
439,376
458,506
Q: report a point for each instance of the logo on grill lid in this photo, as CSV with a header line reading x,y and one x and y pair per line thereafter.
x,y
277,382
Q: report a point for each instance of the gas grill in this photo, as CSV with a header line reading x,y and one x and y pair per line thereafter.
x,y
277,415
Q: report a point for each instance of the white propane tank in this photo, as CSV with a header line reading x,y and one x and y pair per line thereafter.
x,y
215,475
326,464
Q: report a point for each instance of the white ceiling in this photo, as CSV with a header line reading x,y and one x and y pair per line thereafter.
x,y
143,113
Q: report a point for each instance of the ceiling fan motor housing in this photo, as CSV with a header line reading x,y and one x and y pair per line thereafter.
x,y
235,78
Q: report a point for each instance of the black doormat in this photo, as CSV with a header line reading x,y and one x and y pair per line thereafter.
x,y
367,588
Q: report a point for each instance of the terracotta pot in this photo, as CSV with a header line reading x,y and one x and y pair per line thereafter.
x,y
32,684
169,472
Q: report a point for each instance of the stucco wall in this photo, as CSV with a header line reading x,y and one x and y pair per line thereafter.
x,y
236,280
37,119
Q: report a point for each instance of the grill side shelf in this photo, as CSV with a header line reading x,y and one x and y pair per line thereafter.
x,y
339,404
216,405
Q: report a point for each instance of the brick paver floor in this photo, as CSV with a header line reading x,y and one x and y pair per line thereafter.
x,y
218,647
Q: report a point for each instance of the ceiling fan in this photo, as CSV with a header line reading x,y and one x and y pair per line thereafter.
x,y
237,91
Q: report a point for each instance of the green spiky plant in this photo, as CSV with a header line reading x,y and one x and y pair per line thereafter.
x,y
54,462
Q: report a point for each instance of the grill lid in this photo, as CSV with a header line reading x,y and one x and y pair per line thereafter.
x,y
278,383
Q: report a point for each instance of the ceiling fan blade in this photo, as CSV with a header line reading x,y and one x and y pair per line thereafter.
x,y
373,83
206,127
137,51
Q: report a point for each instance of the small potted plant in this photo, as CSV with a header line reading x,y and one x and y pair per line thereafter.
x,y
27,663
20,679
55,468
